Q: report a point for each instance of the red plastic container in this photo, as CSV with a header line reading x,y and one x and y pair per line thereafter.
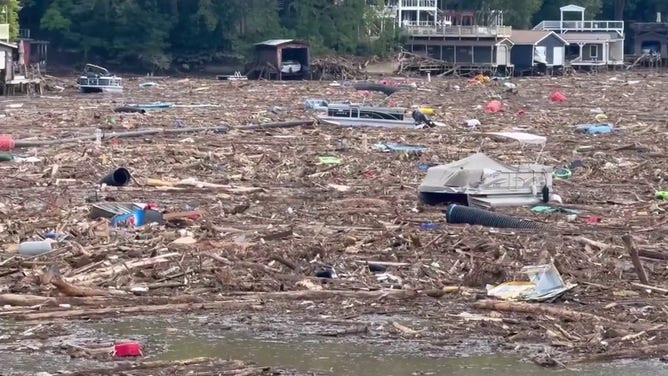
x,y
558,97
6,142
128,349
493,107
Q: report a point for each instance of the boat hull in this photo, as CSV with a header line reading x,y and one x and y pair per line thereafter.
x,y
100,89
374,123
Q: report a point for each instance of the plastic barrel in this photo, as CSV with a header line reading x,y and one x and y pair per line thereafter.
x,y
475,216
119,177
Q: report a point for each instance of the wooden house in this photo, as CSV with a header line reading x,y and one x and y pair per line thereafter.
x,y
537,50
591,43
464,41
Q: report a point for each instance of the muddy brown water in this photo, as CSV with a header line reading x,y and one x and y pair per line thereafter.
x,y
278,343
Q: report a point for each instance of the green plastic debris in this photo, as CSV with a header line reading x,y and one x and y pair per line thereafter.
x,y
662,195
329,160
550,210
6,157
562,173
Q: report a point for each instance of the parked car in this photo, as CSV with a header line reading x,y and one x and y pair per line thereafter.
x,y
290,66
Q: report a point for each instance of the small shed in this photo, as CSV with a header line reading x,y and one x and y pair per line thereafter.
x,y
534,47
7,52
282,59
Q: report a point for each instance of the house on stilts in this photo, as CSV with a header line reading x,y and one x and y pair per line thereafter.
x,y
592,44
456,41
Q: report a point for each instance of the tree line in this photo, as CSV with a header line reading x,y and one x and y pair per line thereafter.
x,y
157,34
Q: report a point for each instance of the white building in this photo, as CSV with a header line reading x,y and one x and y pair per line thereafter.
x,y
591,42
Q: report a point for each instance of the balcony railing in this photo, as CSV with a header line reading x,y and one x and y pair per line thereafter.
x,y
593,26
418,3
24,33
426,28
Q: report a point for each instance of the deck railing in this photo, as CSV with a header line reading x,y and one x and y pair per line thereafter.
x,y
24,33
593,26
418,3
426,28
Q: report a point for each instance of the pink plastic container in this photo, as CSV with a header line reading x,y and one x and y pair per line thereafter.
x,y
6,142
127,349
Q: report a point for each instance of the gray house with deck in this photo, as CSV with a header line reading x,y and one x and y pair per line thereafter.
x,y
537,51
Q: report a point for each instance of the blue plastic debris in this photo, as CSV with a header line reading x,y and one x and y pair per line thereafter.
x,y
594,128
429,226
425,166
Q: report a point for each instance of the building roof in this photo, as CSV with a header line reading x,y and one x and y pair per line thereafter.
x,y
572,8
532,36
278,42
8,45
589,37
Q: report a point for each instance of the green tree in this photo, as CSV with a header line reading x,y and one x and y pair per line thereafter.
x,y
550,9
10,12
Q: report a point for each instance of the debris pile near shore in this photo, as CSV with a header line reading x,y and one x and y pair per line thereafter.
x,y
257,214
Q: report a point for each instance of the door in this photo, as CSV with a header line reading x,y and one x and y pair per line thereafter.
x,y
540,55
502,55
558,56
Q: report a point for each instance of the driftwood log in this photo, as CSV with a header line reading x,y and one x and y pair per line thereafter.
x,y
537,308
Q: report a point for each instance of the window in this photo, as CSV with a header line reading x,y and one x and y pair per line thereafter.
x,y
593,51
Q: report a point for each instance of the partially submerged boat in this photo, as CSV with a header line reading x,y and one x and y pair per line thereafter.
x,y
355,115
96,79
237,76
478,180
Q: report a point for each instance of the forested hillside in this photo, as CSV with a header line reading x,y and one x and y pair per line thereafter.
x,y
157,33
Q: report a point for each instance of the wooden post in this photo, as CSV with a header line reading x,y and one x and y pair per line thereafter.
x,y
633,252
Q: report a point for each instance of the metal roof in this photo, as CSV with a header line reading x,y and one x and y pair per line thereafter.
x,y
589,37
528,36
277,42
532,36
572,8
8,45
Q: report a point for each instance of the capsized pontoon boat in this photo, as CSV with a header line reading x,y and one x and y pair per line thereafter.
x,y
96,79
354,115
479,180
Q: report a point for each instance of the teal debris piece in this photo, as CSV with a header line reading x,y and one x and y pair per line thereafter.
x,y
400,148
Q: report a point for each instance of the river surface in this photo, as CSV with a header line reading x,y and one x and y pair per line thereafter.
x,y
184,337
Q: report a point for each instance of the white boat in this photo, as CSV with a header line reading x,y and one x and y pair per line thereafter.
x,y
352,115
237,76
96,79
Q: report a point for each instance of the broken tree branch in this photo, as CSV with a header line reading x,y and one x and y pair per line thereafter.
x,y
633,252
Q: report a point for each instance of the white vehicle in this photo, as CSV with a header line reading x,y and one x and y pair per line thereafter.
x,y
290,66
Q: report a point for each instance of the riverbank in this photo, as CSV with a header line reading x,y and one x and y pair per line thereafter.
x,y
273,215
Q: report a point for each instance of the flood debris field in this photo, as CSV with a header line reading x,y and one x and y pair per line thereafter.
x,y
259,214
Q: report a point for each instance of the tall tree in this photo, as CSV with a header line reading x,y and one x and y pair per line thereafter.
x,y
10,12
550,9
